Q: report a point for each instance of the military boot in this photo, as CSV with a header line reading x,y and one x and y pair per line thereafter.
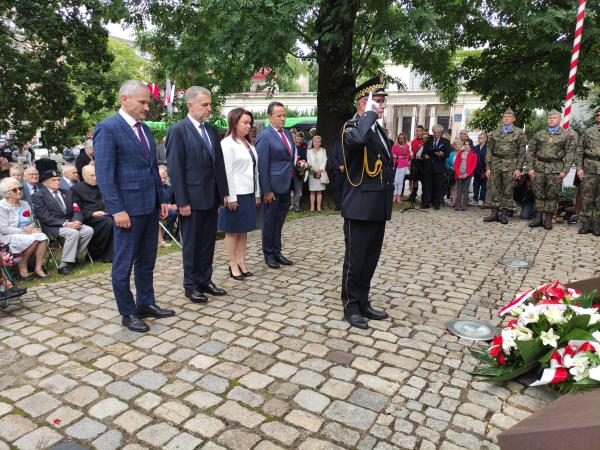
x,y
596,229
548,221
503,217
493,217
538,221
586,227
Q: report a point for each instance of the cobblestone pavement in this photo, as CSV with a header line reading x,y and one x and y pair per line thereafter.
x,y
272,365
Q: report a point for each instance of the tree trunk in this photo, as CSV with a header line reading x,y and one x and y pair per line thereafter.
x,y
335,28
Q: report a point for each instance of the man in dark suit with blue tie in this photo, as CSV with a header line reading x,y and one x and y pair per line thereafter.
x,y
127,174
197,173
276,156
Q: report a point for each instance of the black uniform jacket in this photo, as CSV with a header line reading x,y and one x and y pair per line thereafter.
x,y
367,197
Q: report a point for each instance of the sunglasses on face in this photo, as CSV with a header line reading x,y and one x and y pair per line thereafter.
x,y
15,190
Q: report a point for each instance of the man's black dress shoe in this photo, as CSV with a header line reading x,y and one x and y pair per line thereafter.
x,y
196,296
370,313
424,207
64,270
284,261
211,289
12,293
272,263
134,323
356,320
154,311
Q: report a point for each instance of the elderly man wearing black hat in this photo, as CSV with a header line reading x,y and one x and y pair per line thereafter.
x,y
60,217
367,199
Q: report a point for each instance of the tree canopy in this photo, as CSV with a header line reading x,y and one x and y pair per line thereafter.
x,y
219,43
53,58
526,53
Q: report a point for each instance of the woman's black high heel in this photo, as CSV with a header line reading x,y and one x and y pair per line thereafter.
x,y
235,277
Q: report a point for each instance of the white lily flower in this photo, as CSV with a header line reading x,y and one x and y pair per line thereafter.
x,y
555,316
579,366
522,333
530,315
549,338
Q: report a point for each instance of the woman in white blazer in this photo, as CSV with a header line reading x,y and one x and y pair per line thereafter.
x,y
317,160
16,229
241,167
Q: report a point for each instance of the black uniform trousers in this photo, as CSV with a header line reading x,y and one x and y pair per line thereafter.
x,y
363,240
198,233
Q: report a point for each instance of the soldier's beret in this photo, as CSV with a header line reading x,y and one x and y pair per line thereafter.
x,y
49,174
509,111
553,112
376,85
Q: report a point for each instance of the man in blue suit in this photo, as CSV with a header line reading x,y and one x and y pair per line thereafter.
x,y
276,156
198,178
127,174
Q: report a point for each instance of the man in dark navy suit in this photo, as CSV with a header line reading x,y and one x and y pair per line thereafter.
x,y
127,174
367,200
276,157
198,178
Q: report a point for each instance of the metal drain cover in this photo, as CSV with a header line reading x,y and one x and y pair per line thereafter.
x,y
515,263
473,329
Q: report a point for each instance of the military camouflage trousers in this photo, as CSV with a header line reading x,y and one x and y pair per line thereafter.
x,y
500,189
590,191
546,189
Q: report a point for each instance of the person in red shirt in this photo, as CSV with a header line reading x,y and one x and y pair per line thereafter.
x,y
415,146
464,166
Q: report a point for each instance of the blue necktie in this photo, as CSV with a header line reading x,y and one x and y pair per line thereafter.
x,y
205,138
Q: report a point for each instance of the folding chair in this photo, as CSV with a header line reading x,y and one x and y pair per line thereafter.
x,y
57,242
169,233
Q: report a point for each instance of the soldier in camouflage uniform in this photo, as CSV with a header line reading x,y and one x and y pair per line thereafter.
x,y
504,161
587,162
549,158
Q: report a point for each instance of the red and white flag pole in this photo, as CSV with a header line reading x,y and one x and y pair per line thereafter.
x,y
574,62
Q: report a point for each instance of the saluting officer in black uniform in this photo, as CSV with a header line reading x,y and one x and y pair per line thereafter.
x,y
367,199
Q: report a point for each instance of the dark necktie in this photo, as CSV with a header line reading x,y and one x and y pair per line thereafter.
x,y
206,139
60,202
140,133
289,150
435,143
35,188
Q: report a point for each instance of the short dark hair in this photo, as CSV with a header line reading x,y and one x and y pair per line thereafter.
x,y
272,106
421,127
233,118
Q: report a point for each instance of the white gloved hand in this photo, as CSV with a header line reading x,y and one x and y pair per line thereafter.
x,y
371,104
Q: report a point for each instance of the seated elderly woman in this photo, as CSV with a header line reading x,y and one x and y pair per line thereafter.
x,y
16,230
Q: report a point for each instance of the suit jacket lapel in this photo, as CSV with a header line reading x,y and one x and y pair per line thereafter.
x,y
278,136
198,139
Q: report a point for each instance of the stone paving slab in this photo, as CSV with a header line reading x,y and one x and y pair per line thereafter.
x,y
272,365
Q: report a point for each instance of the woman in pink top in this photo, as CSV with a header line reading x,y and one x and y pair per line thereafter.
x,y
401,154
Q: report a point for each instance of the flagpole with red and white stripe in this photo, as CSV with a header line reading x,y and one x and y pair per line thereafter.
x,y
574,62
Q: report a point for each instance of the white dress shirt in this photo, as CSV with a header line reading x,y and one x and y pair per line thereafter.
x,y
131,122
197,127
242,175
284,137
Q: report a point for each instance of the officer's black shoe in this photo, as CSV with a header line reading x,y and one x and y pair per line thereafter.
x,y
134,323
538,221
548,221
424,206
371,313
284,261
154,311
493,217
596,229
586,227
503,216
356,320
196,296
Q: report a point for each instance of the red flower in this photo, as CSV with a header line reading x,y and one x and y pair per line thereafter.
x,y
56,421
76,207
501,359
496,347
26,213
512,324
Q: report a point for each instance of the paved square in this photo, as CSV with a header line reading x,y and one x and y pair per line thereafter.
x,y
272,365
